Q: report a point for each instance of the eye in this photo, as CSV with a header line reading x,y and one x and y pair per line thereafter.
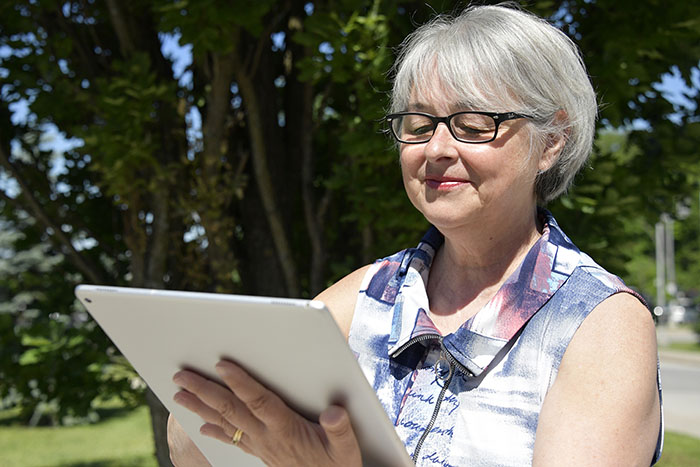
x,y
417,125
470,126
421,130
467,129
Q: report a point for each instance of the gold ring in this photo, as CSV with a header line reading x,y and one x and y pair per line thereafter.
x,y
236,438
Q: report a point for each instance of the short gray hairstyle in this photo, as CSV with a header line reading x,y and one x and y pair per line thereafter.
x,y
501,58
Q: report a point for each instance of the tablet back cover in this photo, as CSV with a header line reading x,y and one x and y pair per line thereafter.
x,y
293,346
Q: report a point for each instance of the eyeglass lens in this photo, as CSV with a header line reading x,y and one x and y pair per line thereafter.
x,y
415,128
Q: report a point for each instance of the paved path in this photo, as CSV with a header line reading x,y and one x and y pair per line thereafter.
x,y
680,382
668,334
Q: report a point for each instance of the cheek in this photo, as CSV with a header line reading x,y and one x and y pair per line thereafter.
x,y
407,175
410,162
410,167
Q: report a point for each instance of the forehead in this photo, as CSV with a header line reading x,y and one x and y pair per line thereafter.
x,y
432,92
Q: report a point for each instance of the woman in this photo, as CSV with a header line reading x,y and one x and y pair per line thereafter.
x,y
495,341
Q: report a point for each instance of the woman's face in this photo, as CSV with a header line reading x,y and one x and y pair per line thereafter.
x,y
457,184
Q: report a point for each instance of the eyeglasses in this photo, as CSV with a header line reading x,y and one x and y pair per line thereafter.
x,y
467,127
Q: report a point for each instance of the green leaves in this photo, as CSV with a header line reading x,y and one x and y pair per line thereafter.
x,y
358,43
210,25
41,348
138,185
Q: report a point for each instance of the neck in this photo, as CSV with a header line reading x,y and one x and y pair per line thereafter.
x,y
474,262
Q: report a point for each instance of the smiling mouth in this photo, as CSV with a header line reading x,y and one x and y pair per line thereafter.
x,y
445,183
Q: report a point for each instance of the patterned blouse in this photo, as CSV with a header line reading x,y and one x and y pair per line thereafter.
x,y
473,397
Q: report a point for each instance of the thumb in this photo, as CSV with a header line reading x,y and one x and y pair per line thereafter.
x,y
342,443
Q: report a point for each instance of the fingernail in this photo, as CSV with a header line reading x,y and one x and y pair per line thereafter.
x,y
225,365
332,416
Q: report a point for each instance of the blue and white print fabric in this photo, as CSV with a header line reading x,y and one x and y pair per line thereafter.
x,y
473,397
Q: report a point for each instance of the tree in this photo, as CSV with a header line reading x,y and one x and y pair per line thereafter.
x,y
260,166
145,203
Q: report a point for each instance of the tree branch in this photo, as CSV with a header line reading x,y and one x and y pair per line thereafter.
x,y
265,185
79,43
126,45
83,264
159,245
253,60
313,226
213,202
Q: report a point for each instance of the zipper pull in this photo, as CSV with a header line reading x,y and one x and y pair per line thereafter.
x,y
443,367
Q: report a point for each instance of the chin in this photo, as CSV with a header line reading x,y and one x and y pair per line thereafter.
x,y
448,220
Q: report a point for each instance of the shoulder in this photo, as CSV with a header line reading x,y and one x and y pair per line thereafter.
x,y
617,340
619,323
606,390
340,298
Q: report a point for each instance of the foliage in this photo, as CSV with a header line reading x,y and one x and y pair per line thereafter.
x,y
255,159
45,336
687,235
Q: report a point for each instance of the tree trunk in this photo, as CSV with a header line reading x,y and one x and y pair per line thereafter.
x,y
159,424
213,200
265,185
312,214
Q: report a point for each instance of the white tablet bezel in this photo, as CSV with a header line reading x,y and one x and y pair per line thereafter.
x,y
293,346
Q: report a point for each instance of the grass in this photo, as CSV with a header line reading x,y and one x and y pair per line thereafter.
x,y
684,346
124,439
680,451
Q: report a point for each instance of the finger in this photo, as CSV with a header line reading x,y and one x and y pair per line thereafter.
x,y
208,414
342,442
226,406
263,403
214,431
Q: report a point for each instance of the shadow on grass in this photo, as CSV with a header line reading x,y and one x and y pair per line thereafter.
x,y
114,412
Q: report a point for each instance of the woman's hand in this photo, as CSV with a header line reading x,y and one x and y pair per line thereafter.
x,y
271,430
183,452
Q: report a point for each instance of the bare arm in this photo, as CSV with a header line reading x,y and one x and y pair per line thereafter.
x,y
603,408
340,298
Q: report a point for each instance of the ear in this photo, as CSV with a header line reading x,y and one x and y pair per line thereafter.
x,y
555,142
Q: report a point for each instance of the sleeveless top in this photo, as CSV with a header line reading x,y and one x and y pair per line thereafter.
x,y
473,397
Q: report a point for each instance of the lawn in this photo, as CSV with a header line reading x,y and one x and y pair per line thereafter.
x,y
680,451
684,346
124,440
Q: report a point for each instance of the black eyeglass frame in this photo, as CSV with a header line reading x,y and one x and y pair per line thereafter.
x,y
498,118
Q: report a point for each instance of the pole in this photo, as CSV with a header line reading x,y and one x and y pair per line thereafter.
x,y
660,265
671,287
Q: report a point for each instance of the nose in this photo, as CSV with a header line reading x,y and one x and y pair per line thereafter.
x,y
442,144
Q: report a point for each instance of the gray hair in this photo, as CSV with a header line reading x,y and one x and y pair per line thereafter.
x,y
502,59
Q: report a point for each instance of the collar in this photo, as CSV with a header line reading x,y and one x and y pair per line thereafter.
x,y
545,268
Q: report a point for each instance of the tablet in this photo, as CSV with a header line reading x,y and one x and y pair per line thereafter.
x,y
292,346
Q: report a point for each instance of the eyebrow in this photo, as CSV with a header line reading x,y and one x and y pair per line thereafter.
x,y
458,107
418,106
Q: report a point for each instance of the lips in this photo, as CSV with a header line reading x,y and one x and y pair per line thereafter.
x,y
444,183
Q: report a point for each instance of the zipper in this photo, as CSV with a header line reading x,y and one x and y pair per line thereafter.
x,y
410,342
453,364
444,355
453,361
